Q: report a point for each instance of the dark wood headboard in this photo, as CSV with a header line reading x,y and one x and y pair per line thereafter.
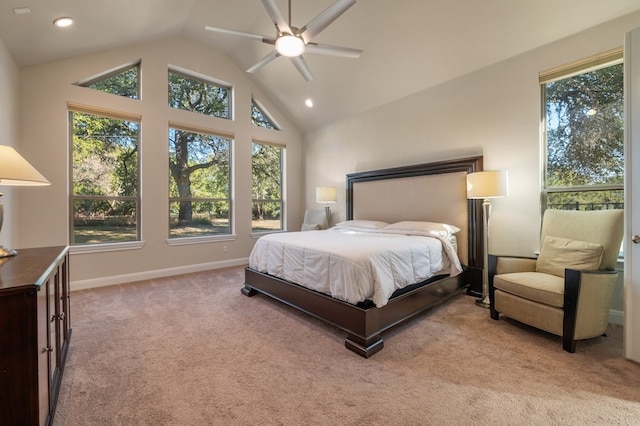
x,y
433,192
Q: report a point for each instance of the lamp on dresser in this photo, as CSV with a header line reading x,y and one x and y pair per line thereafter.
x,y
327,195
16,171
486,185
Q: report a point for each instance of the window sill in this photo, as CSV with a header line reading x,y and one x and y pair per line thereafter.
x,y
99,248
200,240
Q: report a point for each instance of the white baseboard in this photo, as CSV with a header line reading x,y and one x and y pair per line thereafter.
x,y
156,273
616,317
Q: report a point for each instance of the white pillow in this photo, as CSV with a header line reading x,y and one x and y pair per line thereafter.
x,y
443,229
362,223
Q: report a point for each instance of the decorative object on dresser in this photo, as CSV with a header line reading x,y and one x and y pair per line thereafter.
x,y
327,195
485,185
16,171
35,329
434,192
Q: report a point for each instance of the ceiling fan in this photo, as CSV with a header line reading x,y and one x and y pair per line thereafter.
x,y
292,42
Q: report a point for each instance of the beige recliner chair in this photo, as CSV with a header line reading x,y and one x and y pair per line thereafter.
x,y
568,289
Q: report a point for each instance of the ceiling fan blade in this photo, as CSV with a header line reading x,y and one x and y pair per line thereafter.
x,y
320,22
264,39
276,16
302,67
264,61
328,50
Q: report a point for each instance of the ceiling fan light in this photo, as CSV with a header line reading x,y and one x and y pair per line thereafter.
x,y
290,45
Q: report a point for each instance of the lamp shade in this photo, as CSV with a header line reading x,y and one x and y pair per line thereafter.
x,y
488,184
326,194
16,171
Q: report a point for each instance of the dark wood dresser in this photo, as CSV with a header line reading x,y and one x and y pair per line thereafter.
x,y
35,328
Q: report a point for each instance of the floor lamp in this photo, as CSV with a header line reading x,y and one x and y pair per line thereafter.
x,y
327,195
16,171
486,185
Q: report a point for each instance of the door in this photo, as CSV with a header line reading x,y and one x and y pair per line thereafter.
x,y
632,197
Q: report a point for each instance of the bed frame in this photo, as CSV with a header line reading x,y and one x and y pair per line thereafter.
x,y
435,192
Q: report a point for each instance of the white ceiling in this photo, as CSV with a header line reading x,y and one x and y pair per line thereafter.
x,y
409,45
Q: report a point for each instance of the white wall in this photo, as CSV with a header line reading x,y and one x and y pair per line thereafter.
x,y
9,136
494,112
44,93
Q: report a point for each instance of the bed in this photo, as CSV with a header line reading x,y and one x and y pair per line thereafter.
x,y
433,192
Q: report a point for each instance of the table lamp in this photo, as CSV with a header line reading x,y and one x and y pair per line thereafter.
x,y
16,171
327,195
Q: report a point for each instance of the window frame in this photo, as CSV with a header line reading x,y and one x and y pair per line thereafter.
x,y
111,73
603,60
183,72
255,104
281,200
73,108
178,240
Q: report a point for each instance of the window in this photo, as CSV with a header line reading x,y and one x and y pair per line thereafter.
x,y
199,184
105,200
123,82
584,135
260,117
267,177
198,95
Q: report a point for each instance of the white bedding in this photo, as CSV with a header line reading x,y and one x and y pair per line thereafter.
x,y
354,266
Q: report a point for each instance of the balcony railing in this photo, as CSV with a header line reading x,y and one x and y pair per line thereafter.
x,y
587,206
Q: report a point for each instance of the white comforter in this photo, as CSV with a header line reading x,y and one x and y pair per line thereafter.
x,y
354,266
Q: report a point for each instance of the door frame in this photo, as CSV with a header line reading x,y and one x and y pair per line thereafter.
x,y
632,195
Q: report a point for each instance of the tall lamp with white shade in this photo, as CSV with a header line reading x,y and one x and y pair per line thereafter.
x,y
327,195
16,171
486,185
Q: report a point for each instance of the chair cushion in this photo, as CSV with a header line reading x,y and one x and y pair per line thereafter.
x,y
557,253
537,286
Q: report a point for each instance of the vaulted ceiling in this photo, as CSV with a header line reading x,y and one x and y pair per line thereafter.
x,y
409,45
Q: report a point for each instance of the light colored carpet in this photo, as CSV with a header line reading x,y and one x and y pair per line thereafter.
x,y
192,350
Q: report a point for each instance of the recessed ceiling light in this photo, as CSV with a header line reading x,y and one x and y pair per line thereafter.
x,y
63,22
21,10
308,103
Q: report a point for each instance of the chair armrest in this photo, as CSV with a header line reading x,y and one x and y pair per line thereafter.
x,y
508,264
504,265
588,296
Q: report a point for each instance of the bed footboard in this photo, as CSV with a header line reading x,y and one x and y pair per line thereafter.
x,y
363,325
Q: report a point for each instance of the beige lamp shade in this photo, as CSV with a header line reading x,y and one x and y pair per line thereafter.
x,y
326,194
16,171
488,184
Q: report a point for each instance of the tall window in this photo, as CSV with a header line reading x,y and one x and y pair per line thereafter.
x,y
105,200
198,95
584,136
199,184
267,177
